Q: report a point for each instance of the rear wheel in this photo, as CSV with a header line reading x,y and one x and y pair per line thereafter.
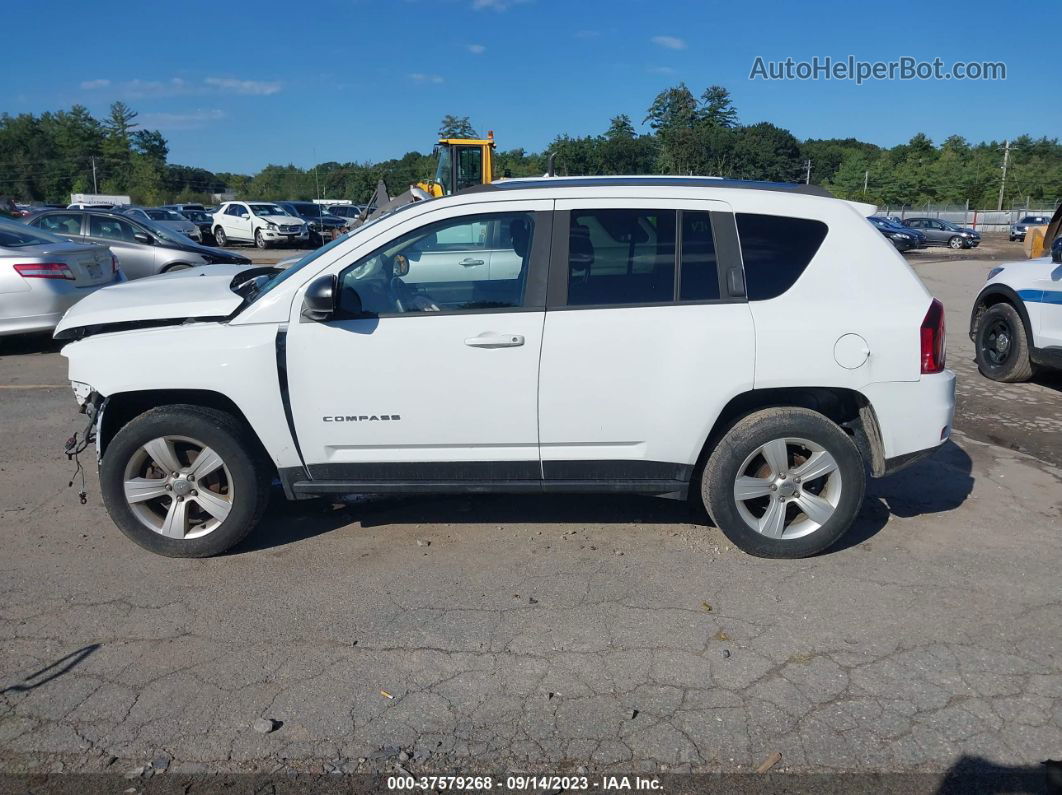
x,y
1001,346
184,481
784,483
177,266
219,236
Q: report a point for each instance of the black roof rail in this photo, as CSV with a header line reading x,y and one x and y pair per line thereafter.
x,y
648,181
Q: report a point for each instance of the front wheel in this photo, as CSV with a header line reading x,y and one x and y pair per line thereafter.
x,y
220,238
1001,346
184,481
784,483
957,242
259,240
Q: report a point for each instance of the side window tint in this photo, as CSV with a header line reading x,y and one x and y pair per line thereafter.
x,y
621,257
776,250
61,223
699,279
110,228
444,267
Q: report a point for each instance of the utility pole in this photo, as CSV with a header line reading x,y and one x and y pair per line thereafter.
x,y
807,179
1003,182
866,179
94,188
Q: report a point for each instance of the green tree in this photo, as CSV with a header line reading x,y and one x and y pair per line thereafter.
x,y
717,109
672,108
456,127
620,128
117,147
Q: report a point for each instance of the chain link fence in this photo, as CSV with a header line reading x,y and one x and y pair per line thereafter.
x,y
981,220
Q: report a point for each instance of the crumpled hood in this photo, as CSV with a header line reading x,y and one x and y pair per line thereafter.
x,y
286,220
193,293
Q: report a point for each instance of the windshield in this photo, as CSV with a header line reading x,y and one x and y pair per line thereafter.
x,y
164,215
197,215
16,235
266,209
442,171
311,256
951,226
306,208
164,233
1034,219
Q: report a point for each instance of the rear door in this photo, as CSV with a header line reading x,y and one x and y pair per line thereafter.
x,y
136,259
647,336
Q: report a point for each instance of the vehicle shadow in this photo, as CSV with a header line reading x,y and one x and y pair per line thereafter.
x,y
1049,379
27,344
52,671
975,775
937,484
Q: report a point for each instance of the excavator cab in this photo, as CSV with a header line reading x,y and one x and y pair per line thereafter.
x,y
462,163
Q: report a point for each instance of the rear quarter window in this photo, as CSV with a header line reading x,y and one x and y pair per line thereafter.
x,y
775,250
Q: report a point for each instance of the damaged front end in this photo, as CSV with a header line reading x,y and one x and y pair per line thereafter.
x,y
92,404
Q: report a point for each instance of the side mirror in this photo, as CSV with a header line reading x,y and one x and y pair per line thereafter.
x,y
143,237
319,303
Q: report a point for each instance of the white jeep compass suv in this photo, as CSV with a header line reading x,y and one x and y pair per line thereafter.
x,y
755,346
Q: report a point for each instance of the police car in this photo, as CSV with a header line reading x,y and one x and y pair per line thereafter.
x,y
1016,324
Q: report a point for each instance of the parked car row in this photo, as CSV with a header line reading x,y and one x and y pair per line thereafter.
x,y
56,257
902,237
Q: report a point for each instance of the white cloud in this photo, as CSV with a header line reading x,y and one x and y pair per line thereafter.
x,y
476,49
231,85
495,5
669,42
89,85
661,70
192,120
420,77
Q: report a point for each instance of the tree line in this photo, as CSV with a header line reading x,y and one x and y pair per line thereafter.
x,y
50,156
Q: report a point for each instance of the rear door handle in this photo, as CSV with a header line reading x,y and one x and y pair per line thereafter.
x,y
491,340
468,263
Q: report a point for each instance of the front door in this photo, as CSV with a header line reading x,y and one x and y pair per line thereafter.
x,y
136,259
1050,332
647,337
426,374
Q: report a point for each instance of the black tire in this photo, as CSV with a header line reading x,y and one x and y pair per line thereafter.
x,y
1005,360
742,440
259,240
177,266
957,242
219,237
217,430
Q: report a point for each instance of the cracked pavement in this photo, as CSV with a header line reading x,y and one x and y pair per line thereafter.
x,y
537,633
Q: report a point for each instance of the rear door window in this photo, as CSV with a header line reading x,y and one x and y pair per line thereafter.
x,y
775,250
60,223
698,275
620,256
111,229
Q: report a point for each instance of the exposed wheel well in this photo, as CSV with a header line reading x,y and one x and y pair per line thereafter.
x,y
846,407
125,406
999,295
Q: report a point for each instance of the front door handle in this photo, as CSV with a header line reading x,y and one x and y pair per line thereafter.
x,y
492,340
468,263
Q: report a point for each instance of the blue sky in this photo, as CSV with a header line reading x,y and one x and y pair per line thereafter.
x,y
235,86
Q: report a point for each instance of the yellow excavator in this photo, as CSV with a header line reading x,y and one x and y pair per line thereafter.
x,y
461,163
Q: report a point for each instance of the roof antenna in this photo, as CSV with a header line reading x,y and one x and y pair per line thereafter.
x,y
551,170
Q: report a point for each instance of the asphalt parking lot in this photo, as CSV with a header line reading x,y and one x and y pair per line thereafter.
x,y
543,634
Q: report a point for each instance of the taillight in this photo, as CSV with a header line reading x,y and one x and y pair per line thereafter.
x,y
933,339
45,270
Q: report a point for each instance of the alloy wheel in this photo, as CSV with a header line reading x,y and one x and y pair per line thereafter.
x,y
788,488
178,487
